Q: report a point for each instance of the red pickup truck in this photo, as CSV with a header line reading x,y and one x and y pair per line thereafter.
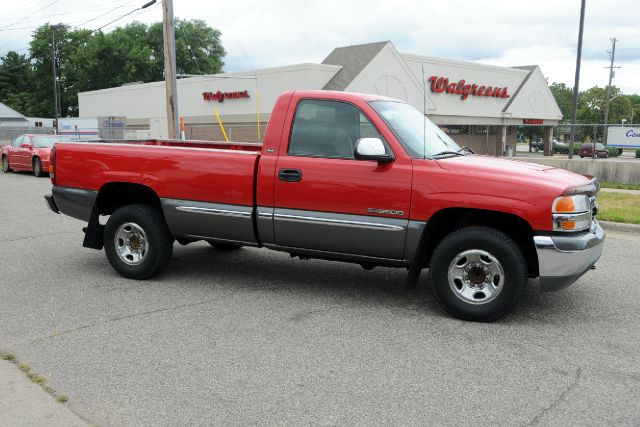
x,y
341,176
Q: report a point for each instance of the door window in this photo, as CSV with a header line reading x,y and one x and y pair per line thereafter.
x,y
328,129
17,142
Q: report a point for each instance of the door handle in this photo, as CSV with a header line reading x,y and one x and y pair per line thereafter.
x,y
290,175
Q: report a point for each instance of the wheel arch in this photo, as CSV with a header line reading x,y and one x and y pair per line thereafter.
x,y
115,195
448,220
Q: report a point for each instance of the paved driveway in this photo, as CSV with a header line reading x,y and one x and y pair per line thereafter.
x,y
254,337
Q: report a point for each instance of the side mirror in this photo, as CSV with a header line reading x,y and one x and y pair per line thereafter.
x,y
372,149
25,145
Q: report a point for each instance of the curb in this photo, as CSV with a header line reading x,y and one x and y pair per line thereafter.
x,y
620,226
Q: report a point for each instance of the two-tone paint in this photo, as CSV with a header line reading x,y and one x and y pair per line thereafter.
x,y
359,210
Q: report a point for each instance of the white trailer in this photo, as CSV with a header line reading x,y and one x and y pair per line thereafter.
x,y
623,137
80,128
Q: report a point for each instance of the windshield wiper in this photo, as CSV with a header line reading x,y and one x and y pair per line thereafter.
x,y
460,152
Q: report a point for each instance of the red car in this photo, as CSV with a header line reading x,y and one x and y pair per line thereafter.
x,y
587,150
29,153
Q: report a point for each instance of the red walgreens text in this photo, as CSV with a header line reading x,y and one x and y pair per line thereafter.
x,y
441,84
221,96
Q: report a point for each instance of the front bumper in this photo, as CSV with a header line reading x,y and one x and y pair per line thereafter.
x,y
563,259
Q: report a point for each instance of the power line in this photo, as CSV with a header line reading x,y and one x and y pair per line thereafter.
x,y
144,6
31,14
20,8
233,33
103,14
141,9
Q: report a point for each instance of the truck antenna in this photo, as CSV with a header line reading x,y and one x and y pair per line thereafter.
x,y
258,110
424,113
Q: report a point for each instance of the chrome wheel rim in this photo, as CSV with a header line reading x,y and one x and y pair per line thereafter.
x,y
131,243
36,168
476,276
5,164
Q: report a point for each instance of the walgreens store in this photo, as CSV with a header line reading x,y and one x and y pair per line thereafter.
x,y
482,106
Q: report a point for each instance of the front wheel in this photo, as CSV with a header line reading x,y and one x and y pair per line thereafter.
x,y
5,165
37,168
478,273
137,242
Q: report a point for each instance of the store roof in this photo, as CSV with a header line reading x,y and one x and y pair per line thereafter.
x,y
8,114
353,59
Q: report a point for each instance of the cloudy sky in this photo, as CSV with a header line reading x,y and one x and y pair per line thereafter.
x,y
280,32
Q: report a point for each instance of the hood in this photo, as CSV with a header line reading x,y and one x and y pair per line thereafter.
x,y
515,171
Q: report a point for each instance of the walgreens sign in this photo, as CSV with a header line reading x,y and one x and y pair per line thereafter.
x,y
440,84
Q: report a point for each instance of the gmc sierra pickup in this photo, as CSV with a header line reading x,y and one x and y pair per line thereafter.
x,y
341,176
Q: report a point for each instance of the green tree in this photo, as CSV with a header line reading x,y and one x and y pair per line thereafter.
x,y
593,104
90,60
16,78
564,98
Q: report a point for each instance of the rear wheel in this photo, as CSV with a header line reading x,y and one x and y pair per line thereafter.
x,y
225,246
37,167
5,165
478,273
137,242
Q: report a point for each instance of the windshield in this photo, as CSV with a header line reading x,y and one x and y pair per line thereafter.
x,y
47,141
417,134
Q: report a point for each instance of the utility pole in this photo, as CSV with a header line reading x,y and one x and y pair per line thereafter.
x,y
169,39
576,83
55,77
612,55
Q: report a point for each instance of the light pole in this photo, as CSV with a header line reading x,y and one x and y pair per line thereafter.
x,y
576,83
55,77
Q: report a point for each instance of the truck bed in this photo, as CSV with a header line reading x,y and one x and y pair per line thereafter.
x,y
217,172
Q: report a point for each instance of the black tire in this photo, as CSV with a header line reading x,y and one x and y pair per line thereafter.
x,y
158,239
480,239
37,168
225,246
5,164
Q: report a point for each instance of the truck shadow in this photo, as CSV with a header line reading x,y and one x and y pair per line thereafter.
x,y
261,270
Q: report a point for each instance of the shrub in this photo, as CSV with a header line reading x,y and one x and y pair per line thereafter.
x,y
638,153
613,151
565,149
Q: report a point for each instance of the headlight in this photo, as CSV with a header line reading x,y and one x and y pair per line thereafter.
x,y
572,213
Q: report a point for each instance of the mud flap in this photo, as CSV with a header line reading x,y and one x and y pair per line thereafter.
x,y
413,275
94,231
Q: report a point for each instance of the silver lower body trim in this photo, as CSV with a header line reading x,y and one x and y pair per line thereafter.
x,y
209,221
362,235
340,222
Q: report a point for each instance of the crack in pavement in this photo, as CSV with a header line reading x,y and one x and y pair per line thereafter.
x,y
142,313
40,236
560,398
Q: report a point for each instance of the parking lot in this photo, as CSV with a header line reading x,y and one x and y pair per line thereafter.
x,y
255,337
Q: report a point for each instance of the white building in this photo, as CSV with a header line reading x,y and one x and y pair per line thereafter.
x,y
454,94
11,118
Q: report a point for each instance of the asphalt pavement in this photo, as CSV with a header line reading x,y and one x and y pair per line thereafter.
x,y
255,337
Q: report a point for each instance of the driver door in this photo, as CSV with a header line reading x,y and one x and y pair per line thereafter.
x,y
327,200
